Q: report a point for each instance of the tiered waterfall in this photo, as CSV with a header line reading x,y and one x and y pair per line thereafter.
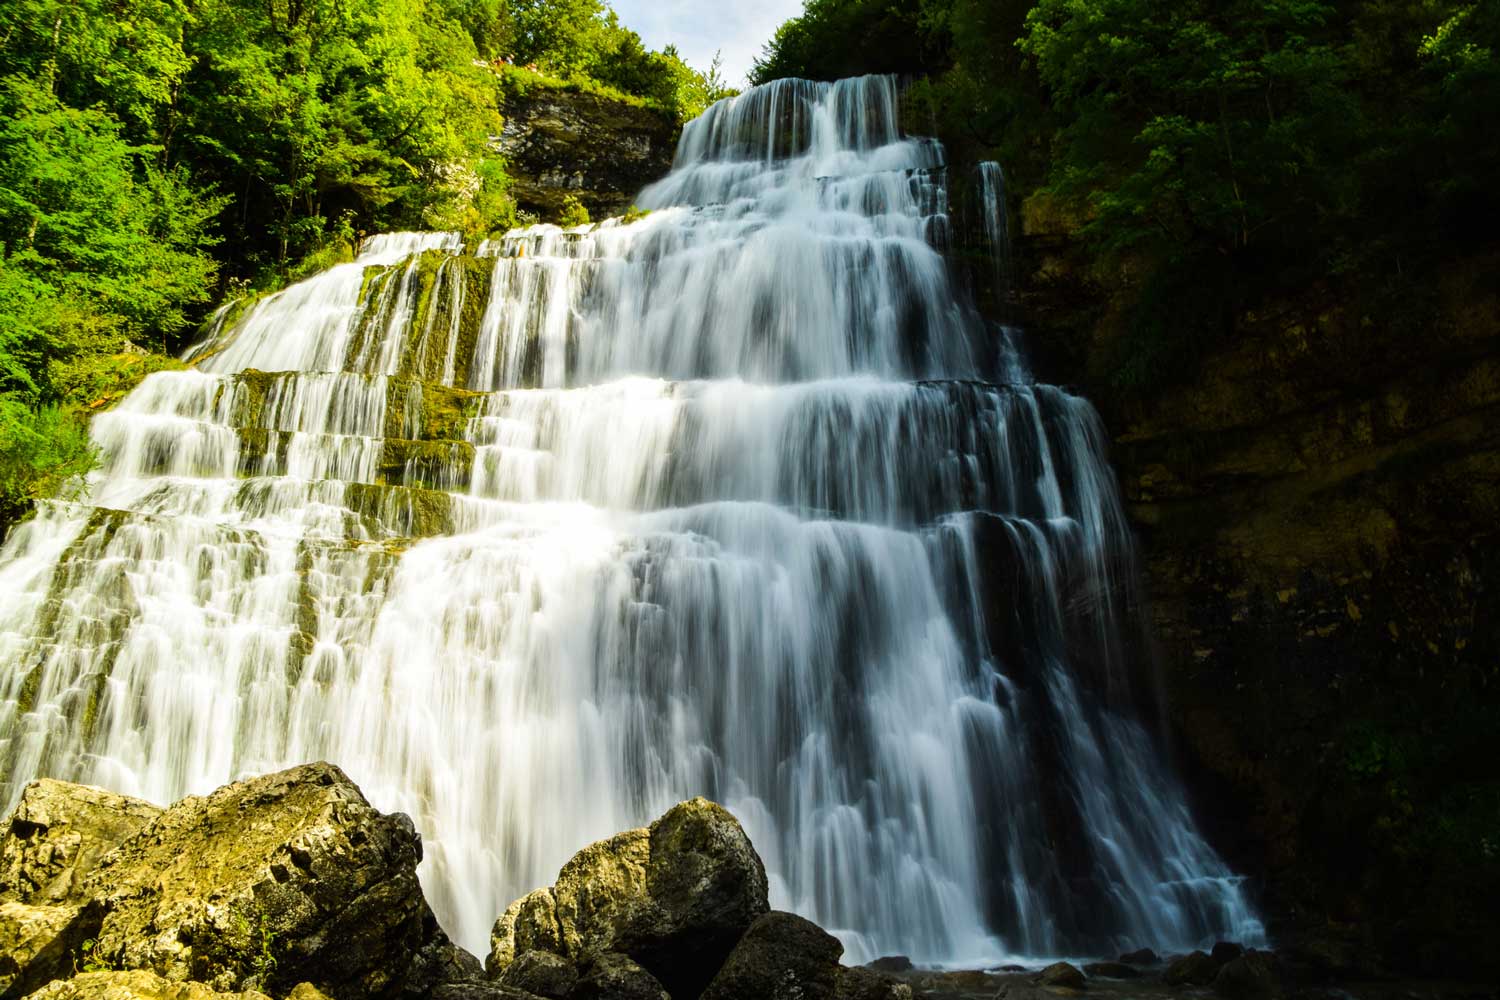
x,y
537,537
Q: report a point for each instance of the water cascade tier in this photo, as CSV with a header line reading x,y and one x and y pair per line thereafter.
x,y
537,537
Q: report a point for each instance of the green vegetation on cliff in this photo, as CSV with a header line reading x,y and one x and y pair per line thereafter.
x,y
153,150
1214,151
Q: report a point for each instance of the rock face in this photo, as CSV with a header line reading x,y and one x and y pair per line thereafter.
x,y
781,957
57,834
601,151
264,884
288,878
676,898
612,976
53,840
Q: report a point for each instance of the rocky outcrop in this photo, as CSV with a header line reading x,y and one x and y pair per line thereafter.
x,y
138,985
57,834
276,880
263,885
560,143
676,898
54,838
781,957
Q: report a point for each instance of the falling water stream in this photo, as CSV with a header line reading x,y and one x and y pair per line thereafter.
x,y
538,537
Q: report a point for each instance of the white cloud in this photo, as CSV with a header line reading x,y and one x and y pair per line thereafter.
x,y
699,28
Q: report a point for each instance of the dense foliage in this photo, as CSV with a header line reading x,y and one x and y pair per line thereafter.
x,y
152,150
1219,149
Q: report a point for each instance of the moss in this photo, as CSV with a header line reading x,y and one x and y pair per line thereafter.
x,y
394,511
438,465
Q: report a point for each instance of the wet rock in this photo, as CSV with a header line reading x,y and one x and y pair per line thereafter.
x,y
477,990
1225,951
612,976
1062,974
1144,956
1250,976
891,963
781,957
272,882
1111,970
541,973
57,834
528,924
1196,969
136,985
868,984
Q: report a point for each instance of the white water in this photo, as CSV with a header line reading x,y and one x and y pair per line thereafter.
x,y
729,509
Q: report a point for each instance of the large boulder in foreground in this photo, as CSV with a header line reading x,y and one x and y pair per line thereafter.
x,y
53,839
675,898
57,834
781,957
135,985
271,882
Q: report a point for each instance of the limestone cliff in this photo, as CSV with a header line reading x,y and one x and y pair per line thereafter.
x,y
1318,505
598,149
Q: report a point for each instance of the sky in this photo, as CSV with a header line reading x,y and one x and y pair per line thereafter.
x,y
699,28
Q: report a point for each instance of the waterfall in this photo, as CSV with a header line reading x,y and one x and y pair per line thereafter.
x,y
537,538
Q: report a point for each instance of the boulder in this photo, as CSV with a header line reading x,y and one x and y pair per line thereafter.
x,y
1250,976
612,976
1111,970
676,898
541,973
891,963
868,984
56,835
273,882
601,892
38,944
707,887
307,991
1062,974
477,990
1225,951
1144,956
528,924
1197,969
135,985
781,957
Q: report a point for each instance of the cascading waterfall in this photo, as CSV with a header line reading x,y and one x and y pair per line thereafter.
x,y
537,540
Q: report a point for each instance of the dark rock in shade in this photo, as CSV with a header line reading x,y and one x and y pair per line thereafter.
x,y
542,973
868,984
1225,951
676,898
137,985
1111,970
1144,956
272,882
612,976
891,963
1196,969
1013,968
781,957
56,835
1251,976
1062,974
707,887
476,990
